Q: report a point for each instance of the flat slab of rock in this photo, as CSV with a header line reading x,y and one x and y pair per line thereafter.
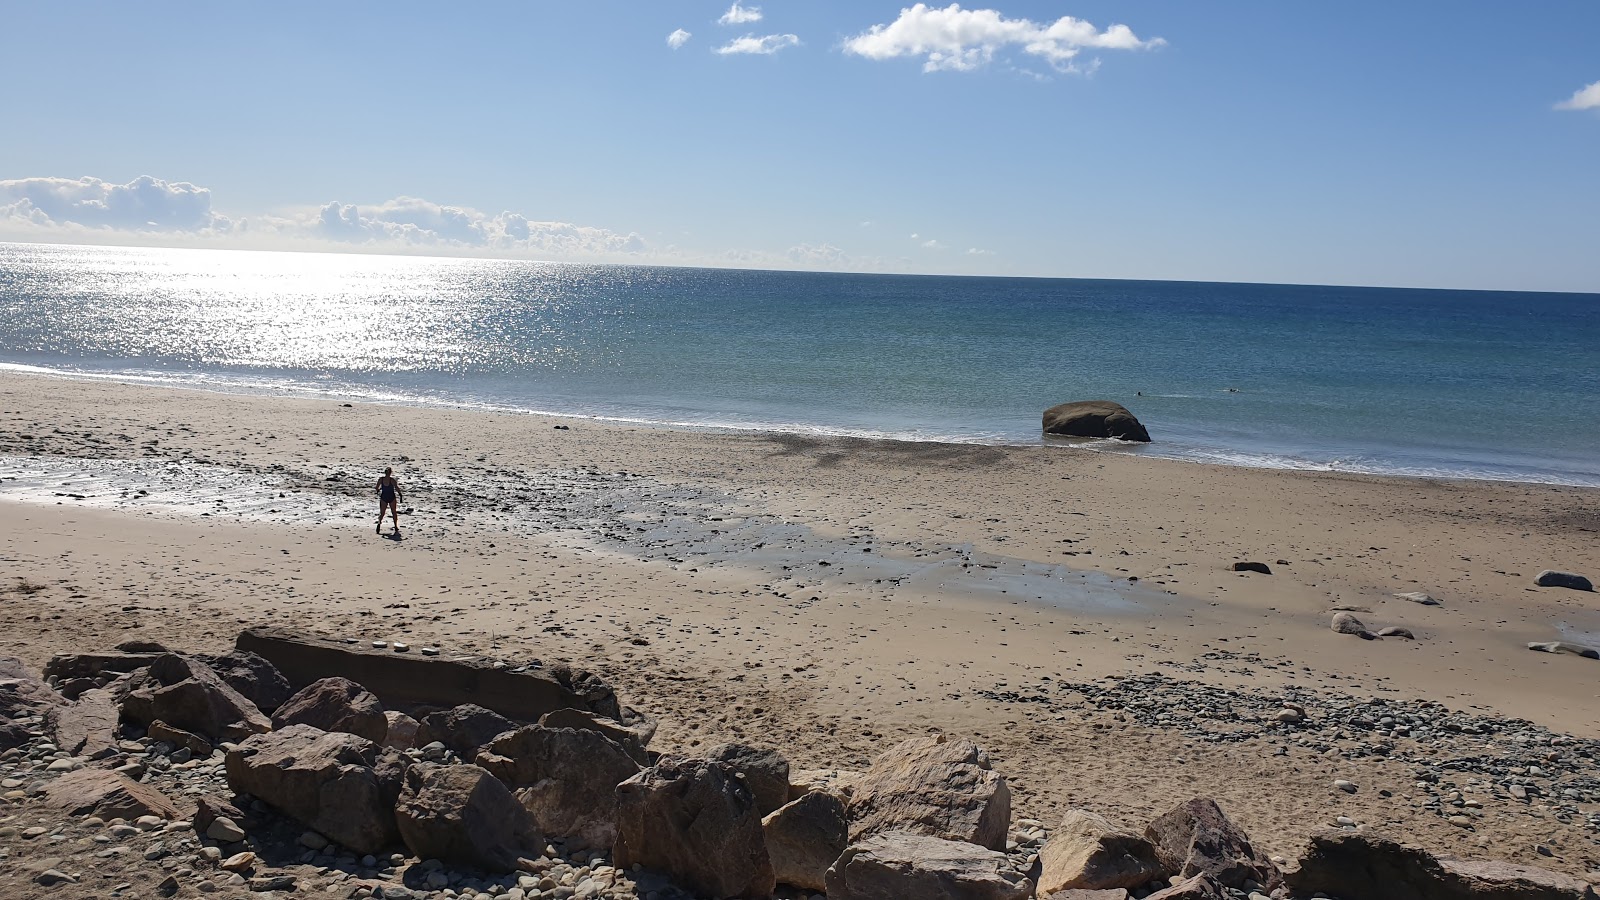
x,y
1197,839
97,792
565,777
405,681
694,820
335,704
463,815
66,666
1376,867
1094,419
804,838
897,865
337,784
1088,852
87,726
936,786
1565,647
1570,580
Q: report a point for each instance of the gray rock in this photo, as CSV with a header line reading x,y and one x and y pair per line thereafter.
x,y
1565,647
1200,887
87,726
402,733
185,693
898,865
1094,419
1396,631
256,679
463,815
1088,852
694,820
565,777
634,738
1197,839
804,838
935,786
1418,597
1570,580
765,771
335,704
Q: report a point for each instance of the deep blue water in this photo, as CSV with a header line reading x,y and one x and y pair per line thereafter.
x,y
1446,383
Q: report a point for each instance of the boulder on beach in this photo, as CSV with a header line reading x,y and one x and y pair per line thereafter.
x,y
696,821
804,837
466,729
565,777
1569,580
1375,867
1087,852
936,786
463,815
1094,419
1197,839
1565,647
899,864
335,704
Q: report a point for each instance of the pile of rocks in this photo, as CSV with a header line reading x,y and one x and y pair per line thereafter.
x,y
301,764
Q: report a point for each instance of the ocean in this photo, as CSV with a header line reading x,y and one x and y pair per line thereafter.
x,y
1433,383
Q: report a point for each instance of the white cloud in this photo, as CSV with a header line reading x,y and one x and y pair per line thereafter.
x,y
765,45
740,15
143,204
678,38
974,251
421,223
932,244
818,256
1584,98
956,39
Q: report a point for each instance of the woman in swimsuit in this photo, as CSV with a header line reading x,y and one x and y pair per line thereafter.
x,y
389,497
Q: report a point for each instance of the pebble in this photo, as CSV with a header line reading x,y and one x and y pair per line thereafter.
x,y
64,765
1349,787
53,877
313,841
223,829
239,862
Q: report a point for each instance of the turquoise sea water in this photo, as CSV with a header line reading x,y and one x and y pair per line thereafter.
x,y
1439,383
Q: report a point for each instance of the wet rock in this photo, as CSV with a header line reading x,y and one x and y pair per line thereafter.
x,y
402,733
765,771
258,680
1197,839
935,786
335,704
1094,419
897,865
461,814
632,738
97,792
565,777
1569,580
1086,851
694,820
335,783
464,729
1260,567
1565,647
804,837
1375,867
185,693
87,726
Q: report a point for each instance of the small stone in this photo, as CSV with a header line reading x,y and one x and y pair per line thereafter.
x,y
1461,821
225,830
380,645
1290,716
399,647
1349,787
69,764
34,832
206,887
53,877
430,651
313,841
149,823
239,862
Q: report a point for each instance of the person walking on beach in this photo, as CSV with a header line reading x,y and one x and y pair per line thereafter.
x,y
389,496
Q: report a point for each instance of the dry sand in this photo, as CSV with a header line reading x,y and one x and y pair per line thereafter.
x,y
834,596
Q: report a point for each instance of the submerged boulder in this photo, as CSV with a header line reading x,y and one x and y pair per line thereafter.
x,y
1094,419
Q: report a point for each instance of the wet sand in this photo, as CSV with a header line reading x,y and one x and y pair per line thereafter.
x,y
833,596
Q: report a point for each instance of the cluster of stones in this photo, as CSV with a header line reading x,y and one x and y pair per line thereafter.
x,y
296,764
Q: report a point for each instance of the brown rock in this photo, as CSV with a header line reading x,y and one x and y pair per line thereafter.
x,y
840,783
66,666
1086,851
463,815
87,726
253,677
693,820
161,731
402,734
97,792
335,704
185,693
210,807
1346,623
934,786
1376,867
464,729
1094,419
633,739
23,695
804,838
1079,894
1197,839
337,784
565,777
1200,887
765,772
898,865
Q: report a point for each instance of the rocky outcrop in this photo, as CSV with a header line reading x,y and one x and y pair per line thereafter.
x,y
1094,419
97,792
337,784
463,815
899,865
466,729
257,680
1375,867
804,838
1088,852
765,772
69,666
1197,839
935,786
1569,580
694,820
565,777
184,692
335,704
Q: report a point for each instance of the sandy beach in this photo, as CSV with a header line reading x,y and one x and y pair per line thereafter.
x,y
1074,612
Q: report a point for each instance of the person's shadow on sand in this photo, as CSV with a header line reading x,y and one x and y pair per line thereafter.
x,y
394,536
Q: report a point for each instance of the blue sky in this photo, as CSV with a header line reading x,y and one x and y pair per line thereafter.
x,y
1434,144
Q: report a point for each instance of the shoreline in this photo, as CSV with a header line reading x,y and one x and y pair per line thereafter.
x,y
722,580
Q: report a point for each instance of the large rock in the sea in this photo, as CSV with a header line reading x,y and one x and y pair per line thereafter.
x,y
405,681
1094,419
1197,839
337,784
694,820
186,693
97,792
1375,867
565,777
466,729
765,772
804,838
1087,852
335,704
463,815
1569,580
257,680
898,865
935,786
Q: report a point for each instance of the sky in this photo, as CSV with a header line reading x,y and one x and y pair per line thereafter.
x,y
1437,144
